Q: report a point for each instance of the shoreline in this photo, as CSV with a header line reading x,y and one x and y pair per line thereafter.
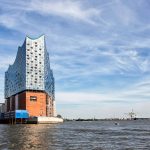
x,y
109,119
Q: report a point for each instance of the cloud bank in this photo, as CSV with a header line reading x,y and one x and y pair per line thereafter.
x,y
99,51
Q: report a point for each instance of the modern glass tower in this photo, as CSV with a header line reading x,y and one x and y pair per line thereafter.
x,y
29,82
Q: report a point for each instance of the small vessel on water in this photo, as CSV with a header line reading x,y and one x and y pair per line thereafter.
x,y
132,115
117,123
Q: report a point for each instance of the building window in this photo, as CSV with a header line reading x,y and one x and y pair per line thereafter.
x,y
33,98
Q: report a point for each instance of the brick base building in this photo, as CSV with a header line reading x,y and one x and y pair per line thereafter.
x,y
37,103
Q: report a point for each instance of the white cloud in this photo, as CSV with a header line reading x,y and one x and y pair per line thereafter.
x,y
126,15
107,110
81,50
71,9
4,19
66,9
6,60
105,105
132,94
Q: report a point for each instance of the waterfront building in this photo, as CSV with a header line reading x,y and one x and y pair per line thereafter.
x,y
29,82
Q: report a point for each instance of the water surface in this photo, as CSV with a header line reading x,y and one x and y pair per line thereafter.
x,y
101,135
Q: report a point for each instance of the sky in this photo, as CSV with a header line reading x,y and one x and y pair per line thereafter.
x,y
99,52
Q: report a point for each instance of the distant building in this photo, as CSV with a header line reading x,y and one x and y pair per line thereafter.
x,y
2,107
29,82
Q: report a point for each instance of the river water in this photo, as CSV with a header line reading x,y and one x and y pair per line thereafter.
x,y
100,135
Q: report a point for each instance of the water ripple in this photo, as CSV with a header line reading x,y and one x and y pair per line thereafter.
x,y
102,135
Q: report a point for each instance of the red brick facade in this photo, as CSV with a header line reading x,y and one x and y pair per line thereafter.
x,y
35,102
38,106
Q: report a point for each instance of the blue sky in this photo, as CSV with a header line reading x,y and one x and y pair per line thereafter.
x,y
99,52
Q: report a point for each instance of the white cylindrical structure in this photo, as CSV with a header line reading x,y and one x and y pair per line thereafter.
x,y
54,109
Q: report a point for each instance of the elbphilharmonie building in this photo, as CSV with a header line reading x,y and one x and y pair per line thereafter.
x,y
29,82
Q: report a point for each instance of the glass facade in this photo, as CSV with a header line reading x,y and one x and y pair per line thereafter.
x,y
31,69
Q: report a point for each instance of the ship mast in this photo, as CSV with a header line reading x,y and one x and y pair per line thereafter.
x,y
132,114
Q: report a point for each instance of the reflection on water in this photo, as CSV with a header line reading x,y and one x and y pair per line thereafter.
x,y
103,135
26,137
